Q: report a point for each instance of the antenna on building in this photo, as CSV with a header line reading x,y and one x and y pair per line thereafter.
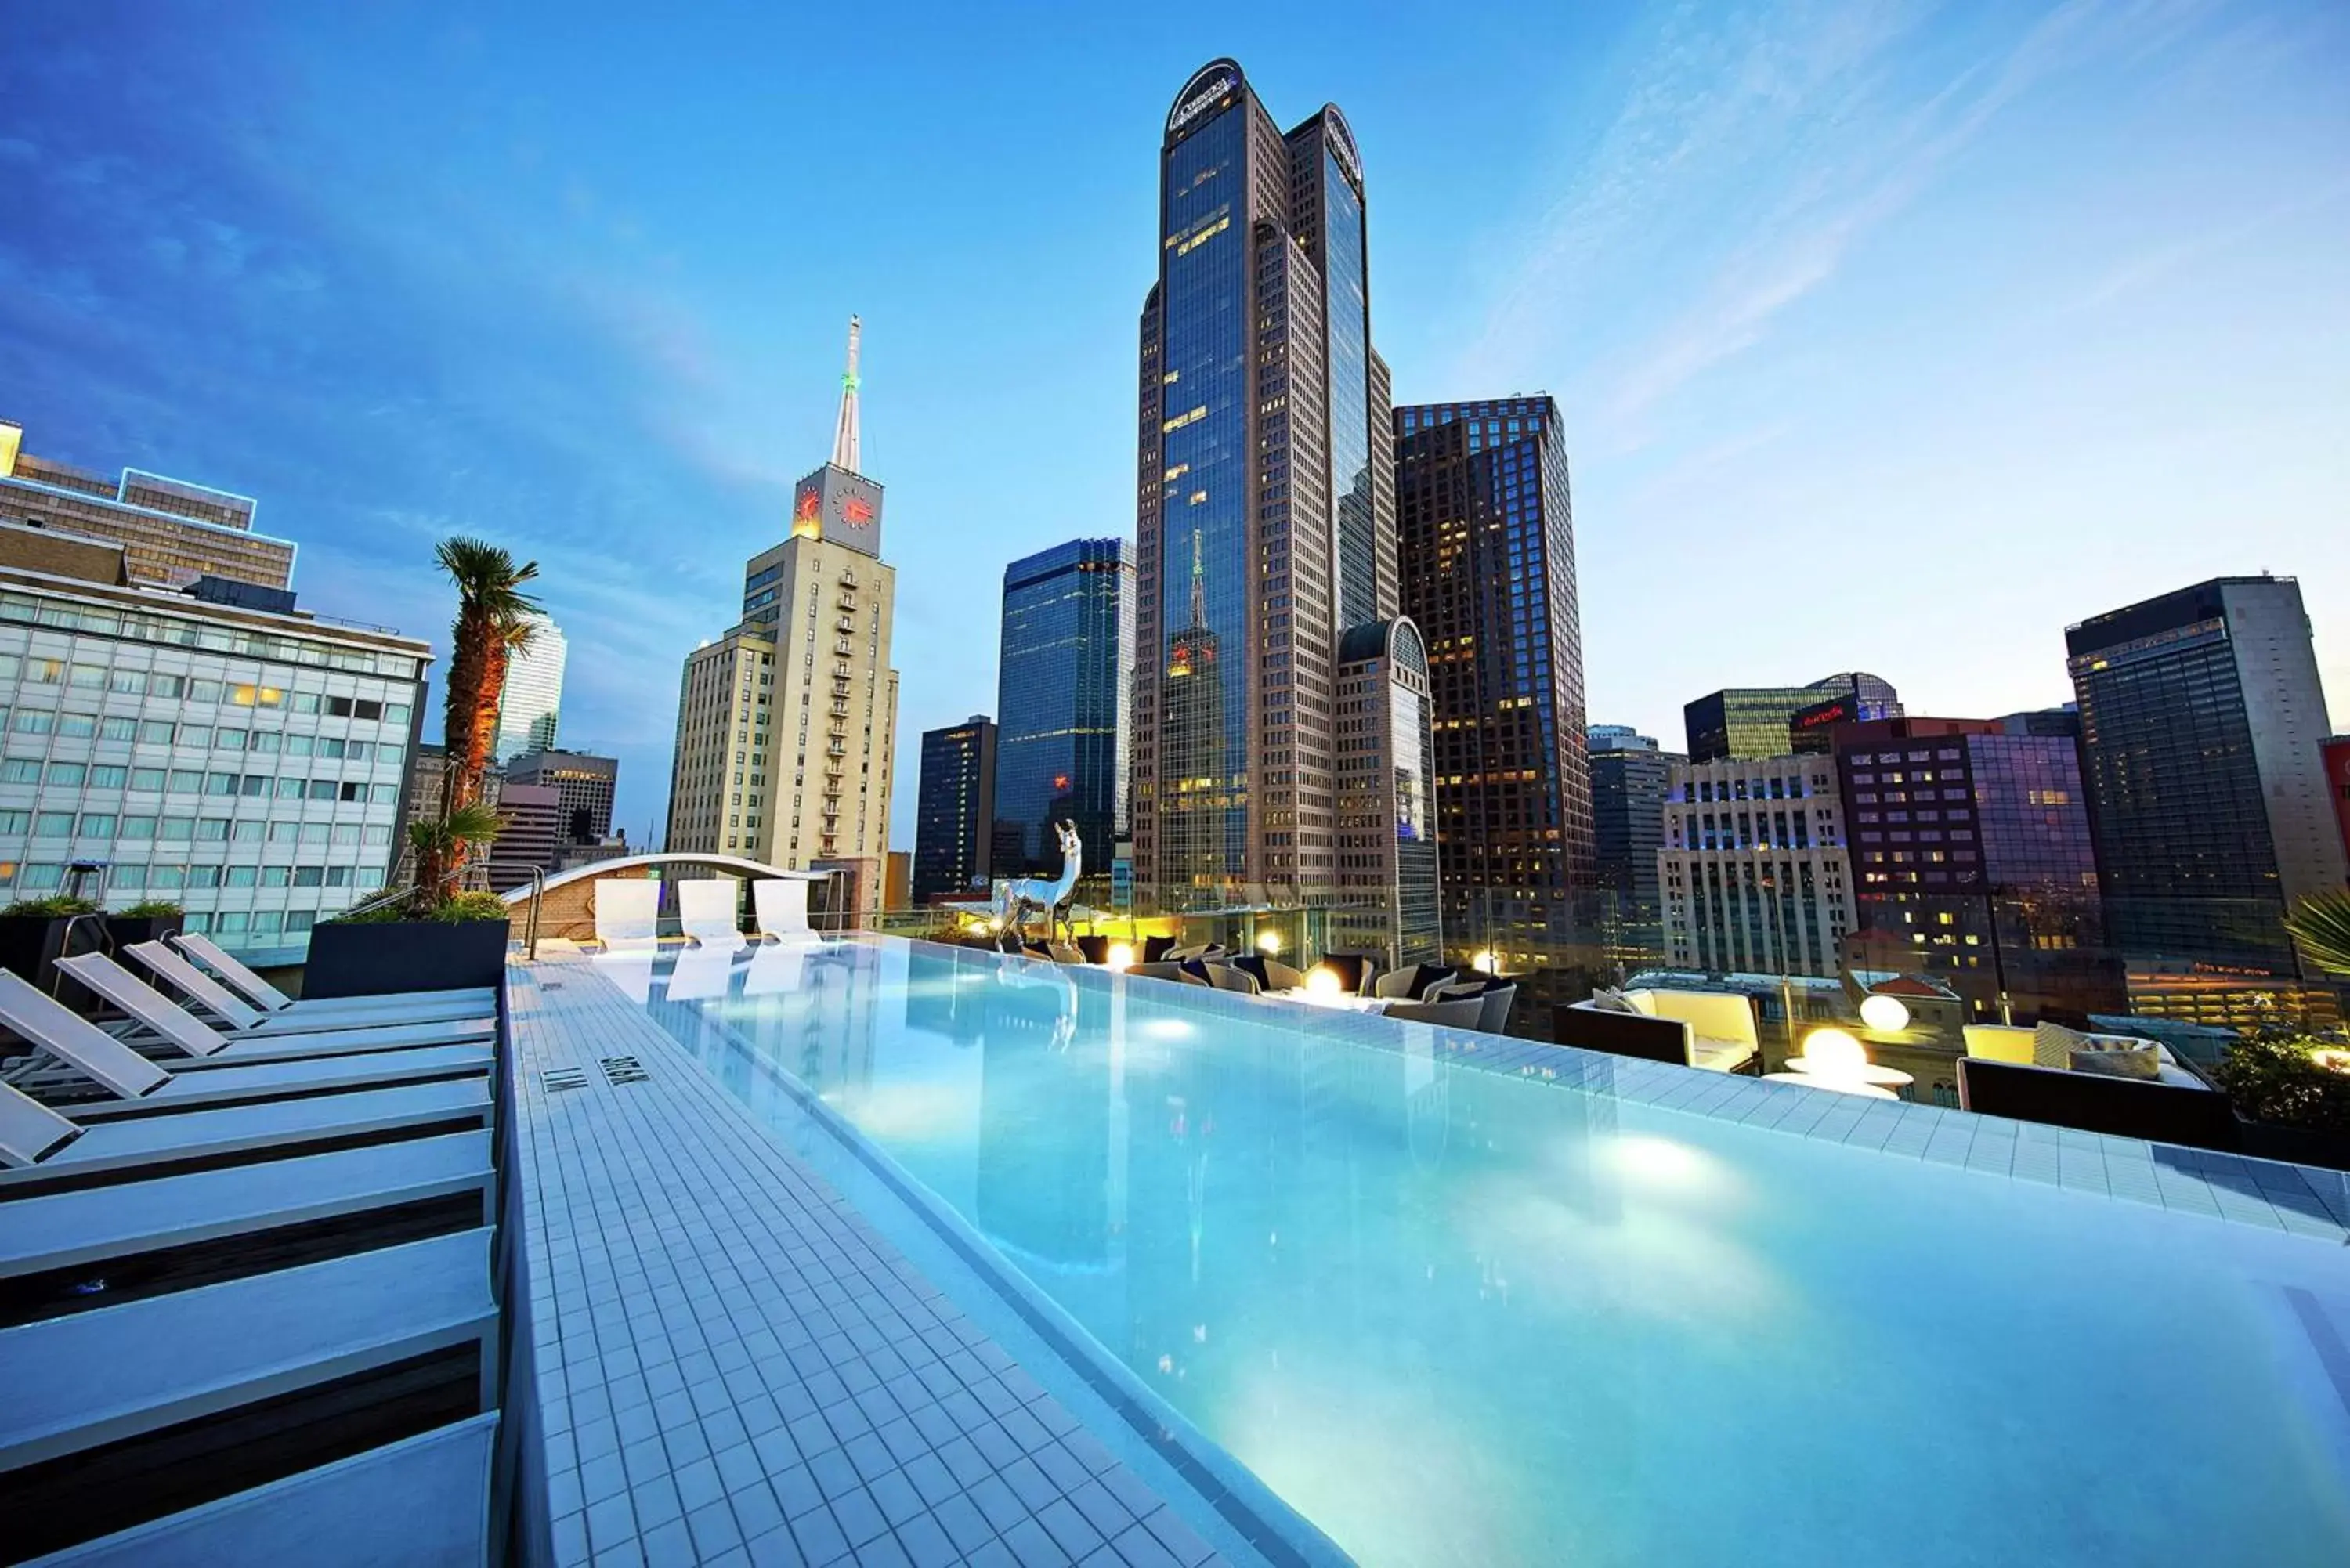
x,y
844,438
1199,585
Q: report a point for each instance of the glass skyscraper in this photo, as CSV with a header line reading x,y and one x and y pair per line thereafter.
x,y
1745,723
1630,776
1064,692
2202,712
1975,864
952,807
1486,529
1265,516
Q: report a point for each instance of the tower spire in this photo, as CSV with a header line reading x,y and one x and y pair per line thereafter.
x,y
1198,584
844,437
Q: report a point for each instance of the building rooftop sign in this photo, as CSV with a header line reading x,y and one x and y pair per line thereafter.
x,y
1207,90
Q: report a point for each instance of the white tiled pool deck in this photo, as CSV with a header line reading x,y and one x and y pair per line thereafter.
x,y
734,1368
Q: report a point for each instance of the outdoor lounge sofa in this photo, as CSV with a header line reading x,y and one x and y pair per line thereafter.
x,y
2010,1072
1714,1031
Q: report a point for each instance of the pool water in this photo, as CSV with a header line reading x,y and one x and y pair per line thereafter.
x,y
1454,1316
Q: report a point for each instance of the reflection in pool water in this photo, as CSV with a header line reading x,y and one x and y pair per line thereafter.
x,y
1457,1318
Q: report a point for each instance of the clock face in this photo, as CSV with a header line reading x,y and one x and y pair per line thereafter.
x,y
853,510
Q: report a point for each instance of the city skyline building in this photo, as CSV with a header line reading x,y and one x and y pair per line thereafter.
x,y
2334,753
954,809
2202,712
787,724
1755,867
1485,532
249,766
584,783
1063,710
1266,514
1752,722
1630,775
1973,864
530,833
171,533
1390,881
530,701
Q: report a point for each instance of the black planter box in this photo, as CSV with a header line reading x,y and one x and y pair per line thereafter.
x,y
122,931
2296,1146
29,945
382,958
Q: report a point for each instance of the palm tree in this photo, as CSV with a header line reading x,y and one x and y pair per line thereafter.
x,y
493,624
2321,925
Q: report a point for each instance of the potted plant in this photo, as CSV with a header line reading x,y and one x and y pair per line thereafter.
x,y
32,935
434,936
2290,1092
149,922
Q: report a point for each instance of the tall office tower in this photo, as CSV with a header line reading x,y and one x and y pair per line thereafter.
x,y
584,785
1389,883
1757,877
248,765
1974,864
954,807
786,725
531,701
170,532
530,831
1752,722
1266,492
2200,716
1629,777
1064,705
1487,530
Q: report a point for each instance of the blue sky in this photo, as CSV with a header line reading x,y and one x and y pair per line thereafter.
x,y
1888,335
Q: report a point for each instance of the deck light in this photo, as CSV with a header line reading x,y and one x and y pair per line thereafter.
x,y
1121,956
1834,1052
1483,961
1886,1014
1324,981
1268,941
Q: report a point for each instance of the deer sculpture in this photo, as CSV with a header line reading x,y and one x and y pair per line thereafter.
x,y
1021,897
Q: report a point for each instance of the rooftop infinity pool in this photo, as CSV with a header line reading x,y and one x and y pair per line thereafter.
x,y
1455,1315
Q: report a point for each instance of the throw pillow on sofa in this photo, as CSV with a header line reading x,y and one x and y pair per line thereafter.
x,y
1607,1000
2053,1045
2114,1058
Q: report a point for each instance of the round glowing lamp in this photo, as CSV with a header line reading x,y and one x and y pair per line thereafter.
x,y
1268,941
1886,1014
1484,962
1834,1051
1121,956
2332,1060
1325,982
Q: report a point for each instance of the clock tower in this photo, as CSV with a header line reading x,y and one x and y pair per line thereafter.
x,y
787,726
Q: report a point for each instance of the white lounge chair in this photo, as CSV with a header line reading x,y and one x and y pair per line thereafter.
x,y
627,913
174,970
40,1148
706,912
234,974
143,1088
99,1378
71,1229
167,1023
781,905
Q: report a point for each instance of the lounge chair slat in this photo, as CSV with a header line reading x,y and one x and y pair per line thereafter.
x,y
424,1499
42,1021
231,971
79,1382
321,1074
122,1148
66,1229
